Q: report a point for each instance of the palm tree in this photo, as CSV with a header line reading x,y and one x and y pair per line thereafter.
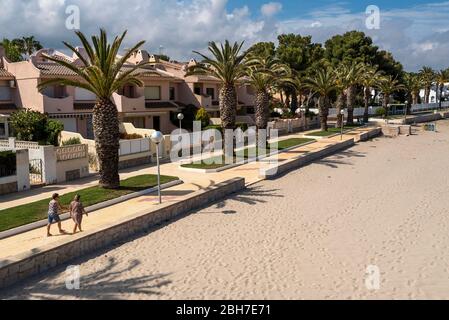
x,y
413,84
388,85
264,73
12,51
354,76
102,73
370,78
28,45
342,82
428,77
441,78
322,83
228,64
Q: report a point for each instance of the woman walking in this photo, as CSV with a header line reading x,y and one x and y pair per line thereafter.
x,y
54,208
76,212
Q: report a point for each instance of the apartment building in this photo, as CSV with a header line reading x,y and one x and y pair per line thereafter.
x,y
166,91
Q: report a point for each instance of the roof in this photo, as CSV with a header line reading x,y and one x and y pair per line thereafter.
x,y
5,74
160,104
54,69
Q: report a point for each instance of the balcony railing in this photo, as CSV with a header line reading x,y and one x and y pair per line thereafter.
x,y
57,105
125,104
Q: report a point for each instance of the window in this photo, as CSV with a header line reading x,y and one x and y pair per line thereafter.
x,y
197,90
211,92
153,93
172,93
128,91
2,129
5,93
60,92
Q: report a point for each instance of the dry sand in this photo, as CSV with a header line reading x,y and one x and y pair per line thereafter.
x,y
308,235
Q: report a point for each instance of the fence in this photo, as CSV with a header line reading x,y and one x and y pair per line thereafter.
x,y
129,147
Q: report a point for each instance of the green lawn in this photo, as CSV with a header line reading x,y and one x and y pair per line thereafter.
x,y
219,161
36,211
331,131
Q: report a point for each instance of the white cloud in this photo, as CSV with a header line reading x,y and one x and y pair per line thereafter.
x,y
271,9
416,35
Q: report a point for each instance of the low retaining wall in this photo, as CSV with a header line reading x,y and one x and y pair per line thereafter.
x,y
45,258
305,159
368,135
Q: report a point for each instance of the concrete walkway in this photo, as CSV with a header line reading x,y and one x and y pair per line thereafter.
x,y
11,248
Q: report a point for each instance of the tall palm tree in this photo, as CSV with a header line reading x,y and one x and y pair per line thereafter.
x,y
388,85
322,84
413,85
342,82
354,76
428,77
264,74
103,74
441,78
370,78
228,64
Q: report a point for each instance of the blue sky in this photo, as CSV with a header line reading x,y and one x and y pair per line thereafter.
x,y
415,31
295,8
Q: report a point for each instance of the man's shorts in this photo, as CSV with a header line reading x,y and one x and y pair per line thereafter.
x,y
53,218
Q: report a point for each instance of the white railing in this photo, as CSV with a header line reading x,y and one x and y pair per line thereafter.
x,y
67,153
4,144
26,145
128,147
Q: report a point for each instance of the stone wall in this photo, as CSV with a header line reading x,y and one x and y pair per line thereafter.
x,y
45,258
8,187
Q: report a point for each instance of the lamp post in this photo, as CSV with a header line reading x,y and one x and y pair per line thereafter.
x,y
342,112
157,138
180,118
405,112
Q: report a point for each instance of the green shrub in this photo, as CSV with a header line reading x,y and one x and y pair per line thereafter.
x,y
7,163
203,116
71,141
381,112
30,125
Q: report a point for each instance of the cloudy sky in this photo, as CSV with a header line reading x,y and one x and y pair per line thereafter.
x,y
416,31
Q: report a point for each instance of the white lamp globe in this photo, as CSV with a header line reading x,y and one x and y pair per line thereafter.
x,y
180,116
157,137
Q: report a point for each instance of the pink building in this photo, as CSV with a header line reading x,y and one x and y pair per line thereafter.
x,y
165,93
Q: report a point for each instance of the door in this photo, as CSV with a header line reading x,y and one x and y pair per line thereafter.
x,y
157,123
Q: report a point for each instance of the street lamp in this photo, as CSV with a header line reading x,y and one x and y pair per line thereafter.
x,y
180,118
342,112
405,112
157,138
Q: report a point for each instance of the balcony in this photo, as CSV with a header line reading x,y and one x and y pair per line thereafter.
x,y
204,101
125,104
57,105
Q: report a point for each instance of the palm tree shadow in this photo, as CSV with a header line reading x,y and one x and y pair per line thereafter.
x,y
251,196
340,158
104,283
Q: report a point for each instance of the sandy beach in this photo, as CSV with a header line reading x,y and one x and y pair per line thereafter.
x,y
310,234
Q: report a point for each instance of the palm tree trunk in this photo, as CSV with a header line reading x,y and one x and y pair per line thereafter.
x,y
427,95
228,111
367,95
324,112
350,104
294,105
107,142
386,102
340,103
262,103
